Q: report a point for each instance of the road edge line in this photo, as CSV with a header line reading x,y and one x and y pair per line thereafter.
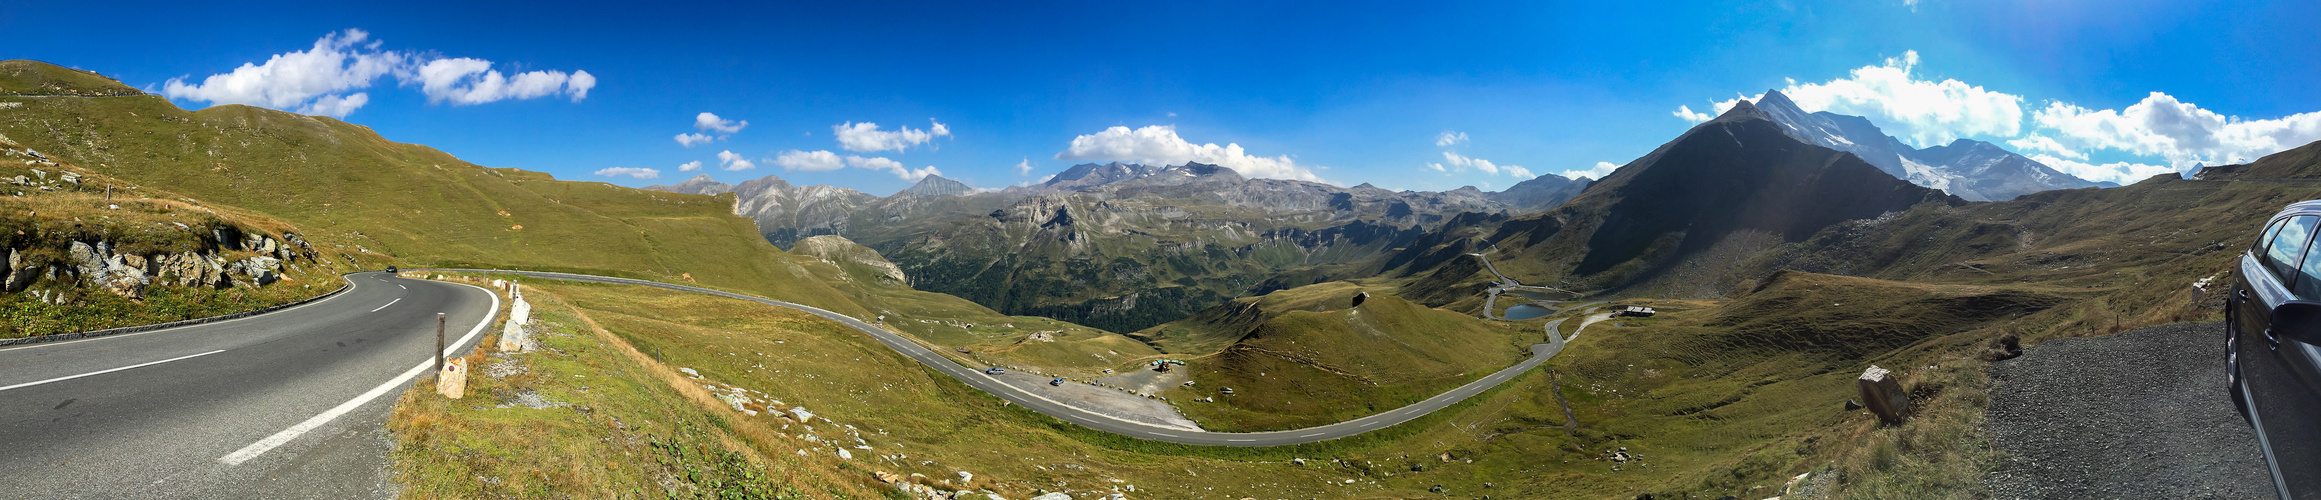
x,y
324,418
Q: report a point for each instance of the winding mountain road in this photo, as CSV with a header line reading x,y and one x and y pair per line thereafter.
x,y
287,404
1098,421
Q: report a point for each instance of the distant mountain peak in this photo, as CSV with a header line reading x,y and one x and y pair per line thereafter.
x,y
699,184
936,185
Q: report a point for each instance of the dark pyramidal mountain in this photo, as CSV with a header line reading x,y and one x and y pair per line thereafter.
x,y
1973,170
1674,222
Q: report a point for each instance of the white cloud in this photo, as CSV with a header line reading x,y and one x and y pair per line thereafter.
x,y
1687,114
734,161
2036,142
691,140
316,80
1449,138
1159,145
1922,112
809,161
640,173
1461,163
1519,172
865,137
707,121
300,80
824,161
2180,132
1024,167
892,167
2123,173
335,106
1603,168
689,166
466,80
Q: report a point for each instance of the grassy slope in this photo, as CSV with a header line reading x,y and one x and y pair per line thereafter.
x,y
1306,368
420,205
41,225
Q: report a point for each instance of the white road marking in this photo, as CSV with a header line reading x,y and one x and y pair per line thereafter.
x,y
1241,440
1312,435
389,303
102,372
403,287
264,445
1159,434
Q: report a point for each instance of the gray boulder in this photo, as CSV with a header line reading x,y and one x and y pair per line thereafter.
x,y
1882,393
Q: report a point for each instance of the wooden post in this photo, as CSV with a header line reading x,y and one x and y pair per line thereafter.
x,y
438,341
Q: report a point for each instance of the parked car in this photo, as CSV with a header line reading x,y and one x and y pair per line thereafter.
x,y
1059,382
2273,346
994,371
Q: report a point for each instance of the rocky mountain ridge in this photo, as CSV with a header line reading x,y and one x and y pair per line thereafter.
x,y
1973,170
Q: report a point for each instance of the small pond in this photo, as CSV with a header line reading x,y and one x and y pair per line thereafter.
x,y
1526,311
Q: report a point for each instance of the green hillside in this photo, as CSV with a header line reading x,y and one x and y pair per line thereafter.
x,y
1304,368
421,206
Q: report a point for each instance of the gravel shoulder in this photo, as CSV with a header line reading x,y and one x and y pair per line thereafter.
x,y
2139,414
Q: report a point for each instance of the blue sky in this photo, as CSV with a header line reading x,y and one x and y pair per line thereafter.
x,y
1404,95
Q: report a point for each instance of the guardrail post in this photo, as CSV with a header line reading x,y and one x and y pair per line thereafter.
x,y
439,342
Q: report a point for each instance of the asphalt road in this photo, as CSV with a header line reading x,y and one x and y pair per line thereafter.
x,y
289,404
976,379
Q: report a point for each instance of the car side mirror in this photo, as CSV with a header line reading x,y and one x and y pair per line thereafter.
x,y
2298,320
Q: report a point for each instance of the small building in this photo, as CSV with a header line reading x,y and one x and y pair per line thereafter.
x,y
1636,311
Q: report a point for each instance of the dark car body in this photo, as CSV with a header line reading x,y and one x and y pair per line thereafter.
x,y
994,371
2273,346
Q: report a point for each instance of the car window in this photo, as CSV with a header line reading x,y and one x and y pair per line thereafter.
x,y
2308,285
2288,247
2259,247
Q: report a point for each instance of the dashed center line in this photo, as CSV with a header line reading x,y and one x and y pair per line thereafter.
x,y
389,303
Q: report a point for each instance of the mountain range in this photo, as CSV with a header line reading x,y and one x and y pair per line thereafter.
x,y
1973,170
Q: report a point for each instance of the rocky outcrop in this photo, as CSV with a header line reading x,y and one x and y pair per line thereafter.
x,y
101,265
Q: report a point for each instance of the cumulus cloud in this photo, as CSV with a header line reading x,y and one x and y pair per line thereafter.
x,y
734,161
707,121
1689,115
1160,145
640,173
465,80
2119,172
1922,112
689,166
866,137
892,167
824,161
2180,132
1024,167
1462,163
301,80
336,106
1603,168
1450,138
809,161
317,80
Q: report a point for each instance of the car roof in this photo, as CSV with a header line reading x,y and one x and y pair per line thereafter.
x,y
2303,205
